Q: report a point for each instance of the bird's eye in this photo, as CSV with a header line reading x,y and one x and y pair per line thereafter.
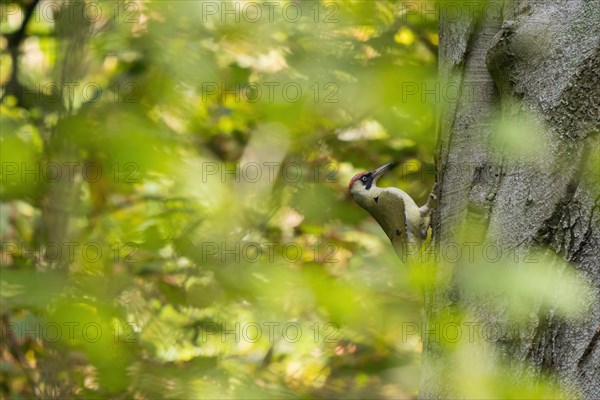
x,y
364,179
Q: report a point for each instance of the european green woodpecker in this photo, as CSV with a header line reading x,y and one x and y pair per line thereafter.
x,y
405,223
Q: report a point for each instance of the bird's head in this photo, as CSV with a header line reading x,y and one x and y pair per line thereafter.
x,y
361,184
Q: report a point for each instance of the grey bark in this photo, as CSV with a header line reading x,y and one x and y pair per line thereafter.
x,y
60,204
540,58
61,201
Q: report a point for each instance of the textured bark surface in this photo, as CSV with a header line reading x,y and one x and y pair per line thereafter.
x,y
539,58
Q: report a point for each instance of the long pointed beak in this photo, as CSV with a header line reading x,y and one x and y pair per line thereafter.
x,y
383,169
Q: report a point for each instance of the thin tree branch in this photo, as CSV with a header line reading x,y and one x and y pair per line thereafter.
x,y
15,39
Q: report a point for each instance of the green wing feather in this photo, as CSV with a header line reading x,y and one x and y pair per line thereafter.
x,y
393,221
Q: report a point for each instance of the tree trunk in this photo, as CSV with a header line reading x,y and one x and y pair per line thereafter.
x,y
534,64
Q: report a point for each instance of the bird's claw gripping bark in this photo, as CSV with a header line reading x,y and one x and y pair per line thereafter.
x,y
433,197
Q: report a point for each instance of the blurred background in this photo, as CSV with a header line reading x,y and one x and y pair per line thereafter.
x,y
175,218
175,215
